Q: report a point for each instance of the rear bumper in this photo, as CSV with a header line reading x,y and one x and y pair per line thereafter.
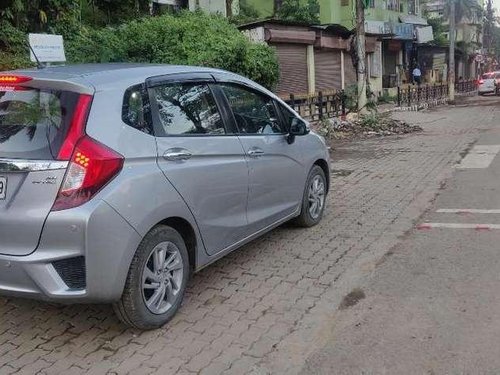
x,y
485,90
95,232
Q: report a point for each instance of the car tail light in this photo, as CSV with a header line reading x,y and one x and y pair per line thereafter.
x,y
480,81
77,127
91,164
13,79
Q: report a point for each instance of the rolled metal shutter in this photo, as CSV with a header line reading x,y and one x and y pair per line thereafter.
x,y
293,69
328,70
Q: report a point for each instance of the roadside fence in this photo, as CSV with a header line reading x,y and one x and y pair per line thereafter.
x,y
416,97
319,106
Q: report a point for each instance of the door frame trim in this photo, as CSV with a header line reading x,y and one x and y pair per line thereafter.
x,y
244,241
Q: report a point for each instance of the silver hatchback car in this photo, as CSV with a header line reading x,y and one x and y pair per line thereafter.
x,y
118,181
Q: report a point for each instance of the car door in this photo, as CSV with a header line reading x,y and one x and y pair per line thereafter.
x,y
276,170
201,157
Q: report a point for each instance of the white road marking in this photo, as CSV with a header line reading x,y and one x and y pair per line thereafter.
x,y
467,211
480,156
458,226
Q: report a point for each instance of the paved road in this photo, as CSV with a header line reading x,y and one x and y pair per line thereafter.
x,y
273,306
432,304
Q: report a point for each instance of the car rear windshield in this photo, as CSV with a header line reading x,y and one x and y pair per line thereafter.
x,y
34,122
487,76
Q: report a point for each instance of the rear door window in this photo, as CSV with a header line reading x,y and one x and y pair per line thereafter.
x,y
188,109
34,122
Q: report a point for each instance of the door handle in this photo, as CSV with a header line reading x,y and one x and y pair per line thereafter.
x,y
255,152
177,154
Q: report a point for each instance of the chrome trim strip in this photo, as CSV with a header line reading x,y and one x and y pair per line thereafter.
x,y
20,165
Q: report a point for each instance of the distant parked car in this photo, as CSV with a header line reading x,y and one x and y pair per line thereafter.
x,y
487,83
118,181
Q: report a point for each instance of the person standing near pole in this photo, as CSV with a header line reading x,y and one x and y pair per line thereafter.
x,y
417,75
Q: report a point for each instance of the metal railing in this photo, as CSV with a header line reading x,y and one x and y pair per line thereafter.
x,y
319,106
411,95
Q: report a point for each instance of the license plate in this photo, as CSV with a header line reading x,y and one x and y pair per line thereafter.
x,y
3,187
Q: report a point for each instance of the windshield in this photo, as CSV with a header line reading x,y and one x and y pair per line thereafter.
x,y
34,122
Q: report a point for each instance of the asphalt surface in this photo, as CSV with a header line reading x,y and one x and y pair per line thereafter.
x,y
432,303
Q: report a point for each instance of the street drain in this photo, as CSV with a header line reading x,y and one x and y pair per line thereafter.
x,y
341,172
352,298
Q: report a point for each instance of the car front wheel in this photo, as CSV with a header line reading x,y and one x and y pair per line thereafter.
x,y
156,281
314,198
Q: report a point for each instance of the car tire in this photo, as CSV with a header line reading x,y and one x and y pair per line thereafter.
x,y
314,191
156,281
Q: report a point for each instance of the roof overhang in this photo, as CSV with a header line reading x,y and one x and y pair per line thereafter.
x,y
414,20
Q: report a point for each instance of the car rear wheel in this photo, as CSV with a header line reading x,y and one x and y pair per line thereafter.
x,y
314,198
156,281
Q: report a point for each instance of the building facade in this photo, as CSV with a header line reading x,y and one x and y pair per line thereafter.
x,y
223,7
312,59
468,34
395,25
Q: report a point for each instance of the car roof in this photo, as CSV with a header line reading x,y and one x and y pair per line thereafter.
x,y
102,75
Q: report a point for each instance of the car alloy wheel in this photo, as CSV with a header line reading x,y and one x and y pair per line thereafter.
x,y
316,197
162,277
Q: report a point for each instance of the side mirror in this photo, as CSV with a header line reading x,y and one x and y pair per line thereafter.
x,y
298,128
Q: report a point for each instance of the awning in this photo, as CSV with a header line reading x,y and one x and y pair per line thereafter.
x,y
414,20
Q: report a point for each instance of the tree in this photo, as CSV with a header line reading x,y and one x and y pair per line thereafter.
x,y
457,11
360,52
489,24
451,68
297,11
438,30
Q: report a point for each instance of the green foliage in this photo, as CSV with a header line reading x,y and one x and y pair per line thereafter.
x,y
351,99
438,29
386,98
14,51
370,121
185,38
95,46
298,11
247,14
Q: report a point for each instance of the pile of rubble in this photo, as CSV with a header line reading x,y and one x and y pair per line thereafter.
x,y
371,125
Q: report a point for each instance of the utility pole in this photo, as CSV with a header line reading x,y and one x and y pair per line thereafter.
x,y
360,49
451,68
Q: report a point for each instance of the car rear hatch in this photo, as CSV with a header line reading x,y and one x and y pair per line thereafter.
x,y
37,120
487,81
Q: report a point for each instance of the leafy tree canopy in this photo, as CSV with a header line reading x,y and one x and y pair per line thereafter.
x,y
299,11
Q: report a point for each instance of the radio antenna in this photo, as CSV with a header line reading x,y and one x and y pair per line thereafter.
x,y
39,65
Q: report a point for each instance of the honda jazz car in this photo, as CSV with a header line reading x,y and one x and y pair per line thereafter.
x,y
118,181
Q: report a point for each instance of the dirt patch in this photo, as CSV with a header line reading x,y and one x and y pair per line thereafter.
x,y
352,298
341,172
215,300
364,126
464,152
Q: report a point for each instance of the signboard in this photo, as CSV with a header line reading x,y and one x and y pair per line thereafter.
x,y
424,34
47,47
402,31
377,28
